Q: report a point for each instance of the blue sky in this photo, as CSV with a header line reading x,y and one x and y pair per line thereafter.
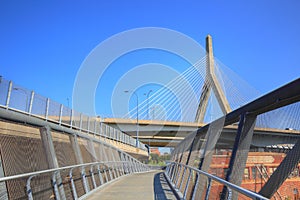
x,y
43,43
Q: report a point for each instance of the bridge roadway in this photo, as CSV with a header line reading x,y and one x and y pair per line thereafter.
x,y
146,185
169,133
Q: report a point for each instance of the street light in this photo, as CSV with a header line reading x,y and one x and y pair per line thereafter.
x,y
148,103
137,115
25,92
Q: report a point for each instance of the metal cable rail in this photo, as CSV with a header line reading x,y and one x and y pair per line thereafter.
x,y
175,173
115,170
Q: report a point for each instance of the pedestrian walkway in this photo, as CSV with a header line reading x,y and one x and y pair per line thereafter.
x,y
148,185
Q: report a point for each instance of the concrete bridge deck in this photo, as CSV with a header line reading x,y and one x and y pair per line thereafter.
x,y
148,185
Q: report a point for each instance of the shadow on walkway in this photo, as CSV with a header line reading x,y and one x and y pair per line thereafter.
x,y
162,190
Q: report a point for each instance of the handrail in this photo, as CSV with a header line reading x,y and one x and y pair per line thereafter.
x,y
109,165
239,189
7,178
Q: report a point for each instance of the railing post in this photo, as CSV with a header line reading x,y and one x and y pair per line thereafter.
x,y
118,165
178,174
123,163
60,113
106,158
71,118
93,177
182,178
113,162
73,184
100,175
8,94
80,123
28,188
196,186
208,189
174,173
101,130
95,127
129,170
88,126
91,149
55,188
187,184
31,102
47,108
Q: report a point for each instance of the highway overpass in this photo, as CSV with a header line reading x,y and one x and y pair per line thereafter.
x,y
157,133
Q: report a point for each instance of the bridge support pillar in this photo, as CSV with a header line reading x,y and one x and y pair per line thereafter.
x,y
240,151
48,146
282,172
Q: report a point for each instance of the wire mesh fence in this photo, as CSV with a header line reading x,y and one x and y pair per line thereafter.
x,y
38,164
15,97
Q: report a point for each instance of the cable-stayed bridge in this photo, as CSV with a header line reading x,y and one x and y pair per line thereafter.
x,y
204,92
233,146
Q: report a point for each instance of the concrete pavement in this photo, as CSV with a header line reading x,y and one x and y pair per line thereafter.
x,y
149,185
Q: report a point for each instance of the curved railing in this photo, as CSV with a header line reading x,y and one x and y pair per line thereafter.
x,y
214,160
180,176
105,172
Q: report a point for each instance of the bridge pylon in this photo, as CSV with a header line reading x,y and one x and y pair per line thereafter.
x,y
211,83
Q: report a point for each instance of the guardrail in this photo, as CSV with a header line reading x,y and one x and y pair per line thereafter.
x,y
180,175
106,172
17,98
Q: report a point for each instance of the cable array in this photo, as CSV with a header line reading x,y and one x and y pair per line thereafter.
x,y
179,99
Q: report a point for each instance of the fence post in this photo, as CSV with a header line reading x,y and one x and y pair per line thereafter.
x,y
31,102
80,123
60,113
8,94
71,120
208,189
47,108
88,125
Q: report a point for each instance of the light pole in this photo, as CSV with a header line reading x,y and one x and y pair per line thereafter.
x,y
148,103
137,116
24,91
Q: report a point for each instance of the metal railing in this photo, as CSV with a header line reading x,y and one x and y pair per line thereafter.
x,y
17,98
115,170
60,155
180,175
218,153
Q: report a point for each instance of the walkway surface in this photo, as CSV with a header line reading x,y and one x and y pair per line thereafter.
x,y
149,185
